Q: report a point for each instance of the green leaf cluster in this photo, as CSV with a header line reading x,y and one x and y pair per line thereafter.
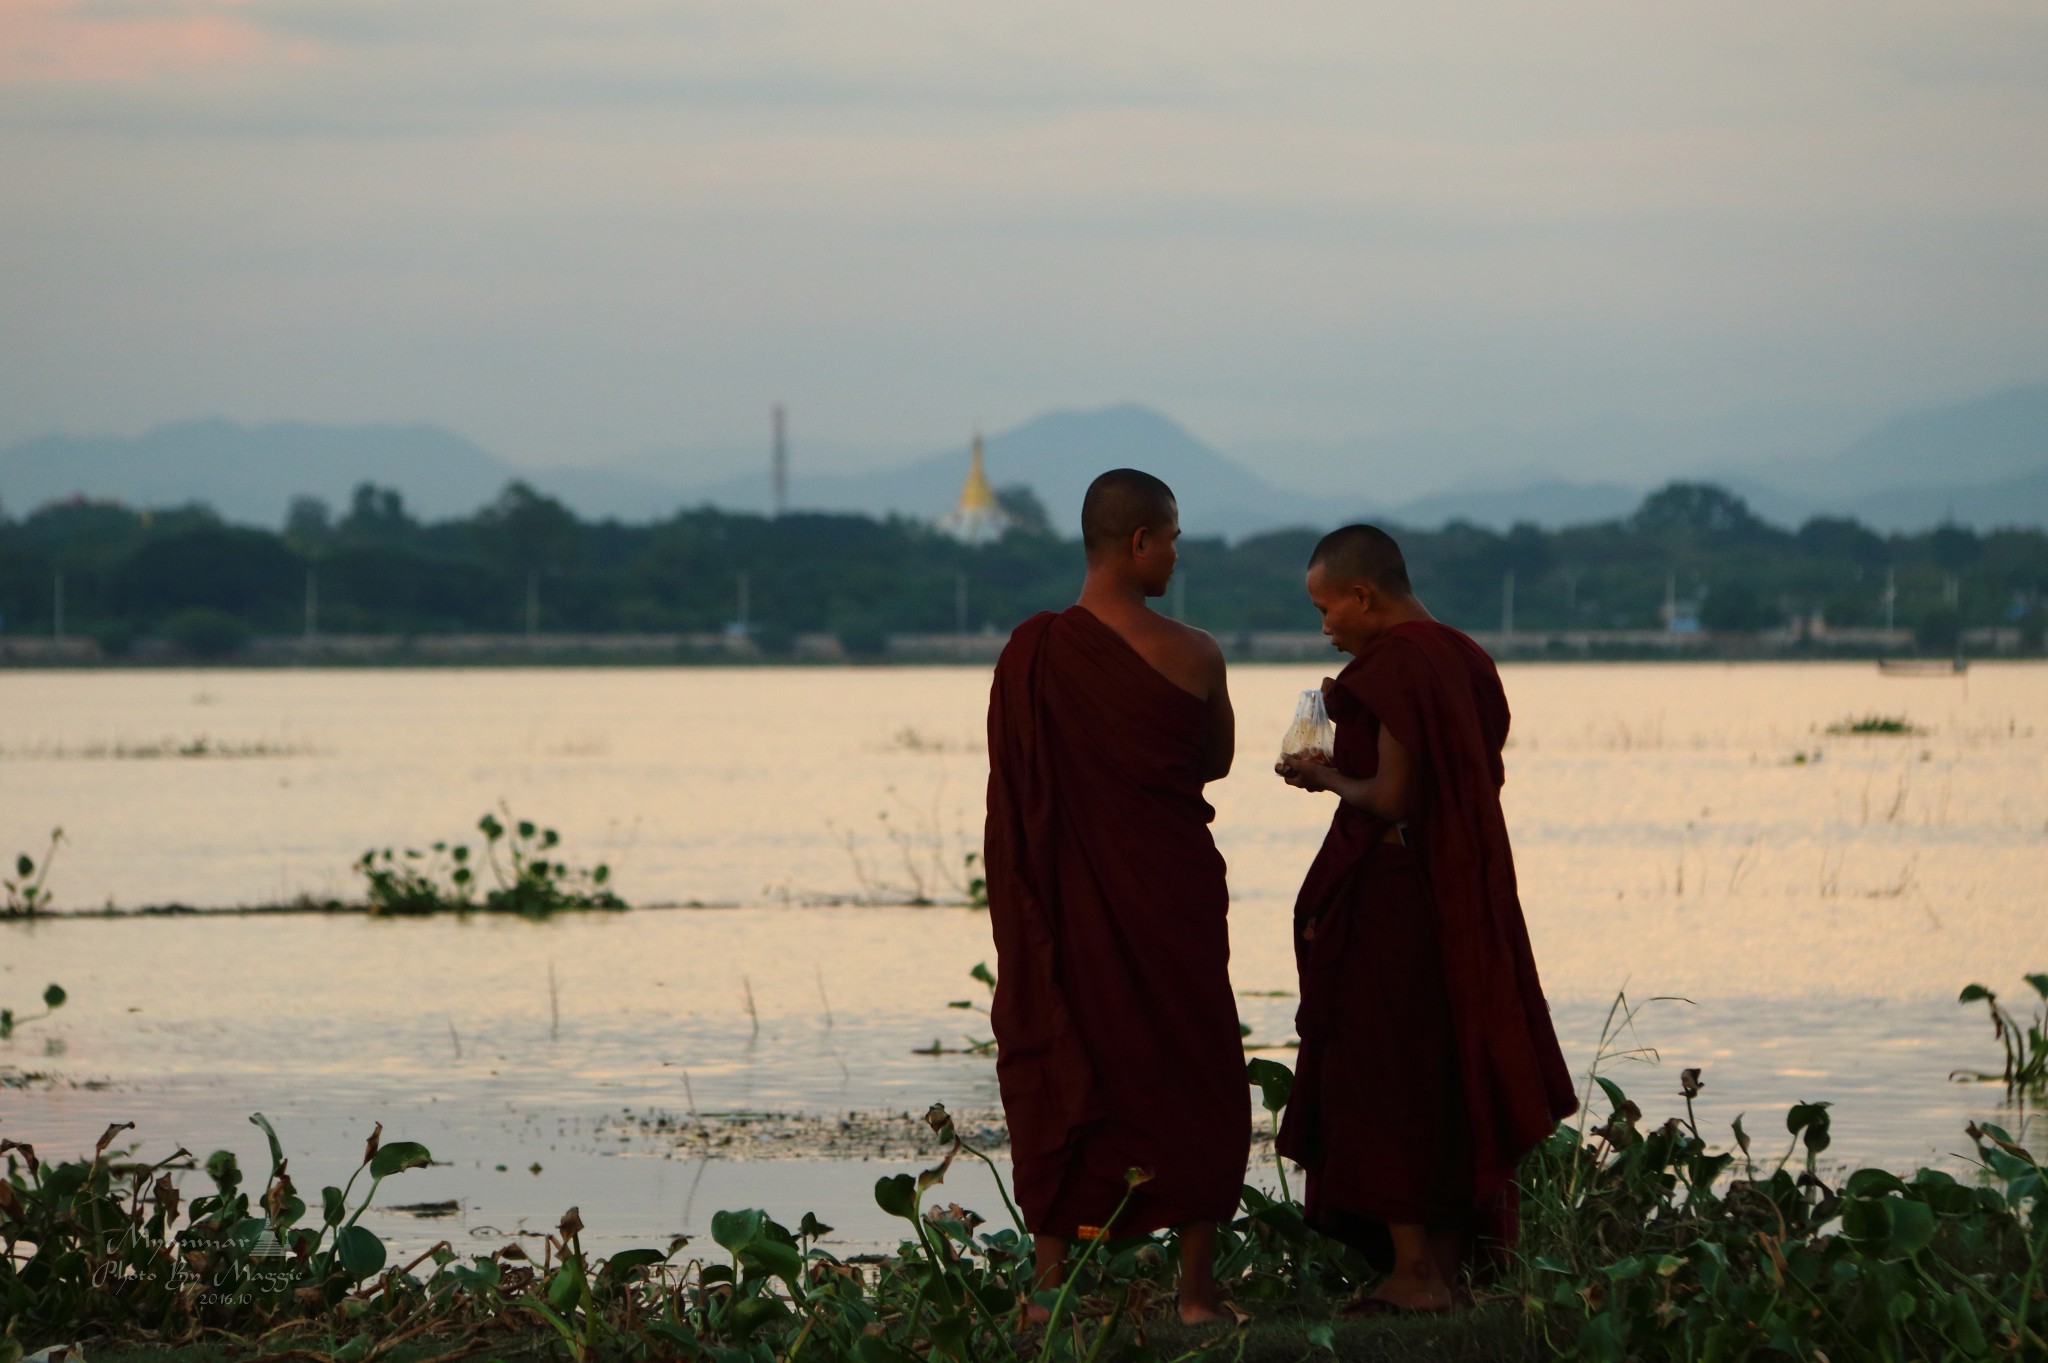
x,y
1640,1245
2025,1043
111,1244
526,877
27,893
53,999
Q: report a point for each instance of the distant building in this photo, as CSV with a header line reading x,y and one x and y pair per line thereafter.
x,y
979,518
1681,617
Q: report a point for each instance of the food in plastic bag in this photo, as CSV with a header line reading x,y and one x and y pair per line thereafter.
x,y
1312,734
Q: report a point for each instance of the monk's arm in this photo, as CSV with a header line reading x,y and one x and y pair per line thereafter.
x,y
1222,747
1384,794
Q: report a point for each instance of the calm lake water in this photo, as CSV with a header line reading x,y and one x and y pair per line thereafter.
x,y
1689,831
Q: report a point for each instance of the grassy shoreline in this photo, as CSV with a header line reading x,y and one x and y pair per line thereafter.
x,y
1640,1241
1491,1334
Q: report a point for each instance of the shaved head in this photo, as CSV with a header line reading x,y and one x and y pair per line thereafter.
x,y
1119,504
1363,553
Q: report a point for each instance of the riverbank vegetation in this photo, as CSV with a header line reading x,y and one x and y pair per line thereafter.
x,y
197,747
180,583
1641,1241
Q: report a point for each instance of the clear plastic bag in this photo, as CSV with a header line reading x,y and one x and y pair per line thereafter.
x,y
1312,734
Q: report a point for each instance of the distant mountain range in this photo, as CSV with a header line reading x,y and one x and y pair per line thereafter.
x,y
1057,455
251,473
1982,463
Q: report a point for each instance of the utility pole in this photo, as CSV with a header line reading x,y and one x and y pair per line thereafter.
x,y
532,602
312,603
960,602
1891,597
778,468
1507,602
59,604
1671,601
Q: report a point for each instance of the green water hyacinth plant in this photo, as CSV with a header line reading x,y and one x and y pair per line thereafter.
x,y
106,1249
1275,1083
519,854
528,882
409,882
27,893
95,1251
977,880
53,999
1880,726
2026,1046
969,1045
1641,1242
1635,1249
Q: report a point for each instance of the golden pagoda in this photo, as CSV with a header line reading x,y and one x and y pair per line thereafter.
x,y
979,518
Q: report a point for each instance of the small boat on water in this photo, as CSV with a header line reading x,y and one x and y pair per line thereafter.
x,y
1922,667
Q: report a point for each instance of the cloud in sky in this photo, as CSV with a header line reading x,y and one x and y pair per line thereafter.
x,y
78,41
577,227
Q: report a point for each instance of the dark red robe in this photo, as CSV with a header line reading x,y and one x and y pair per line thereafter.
x,y
1428,1063
1116,1029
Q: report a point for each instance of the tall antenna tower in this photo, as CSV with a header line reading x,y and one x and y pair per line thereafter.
x,y
778,469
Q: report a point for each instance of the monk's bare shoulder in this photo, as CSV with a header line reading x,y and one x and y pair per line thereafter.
x,y
1201,647
1188,657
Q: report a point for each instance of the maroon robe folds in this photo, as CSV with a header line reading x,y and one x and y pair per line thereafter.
x,y
1116,1029
1428,1062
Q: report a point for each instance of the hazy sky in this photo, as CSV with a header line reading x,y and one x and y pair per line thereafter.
x,y
576,228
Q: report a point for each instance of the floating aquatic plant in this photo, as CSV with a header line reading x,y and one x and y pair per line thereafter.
x,y
518,853
53,999
28,893
1895,726
2026,1046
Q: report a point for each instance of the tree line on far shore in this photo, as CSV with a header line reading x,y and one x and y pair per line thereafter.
x,y
525,562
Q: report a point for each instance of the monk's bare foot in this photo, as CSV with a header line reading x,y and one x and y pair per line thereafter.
x,y
1201,1311
1034,1314
1413,1292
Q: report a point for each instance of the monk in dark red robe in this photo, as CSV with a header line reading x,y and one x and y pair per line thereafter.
x,y
1428,1063
1117,1038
